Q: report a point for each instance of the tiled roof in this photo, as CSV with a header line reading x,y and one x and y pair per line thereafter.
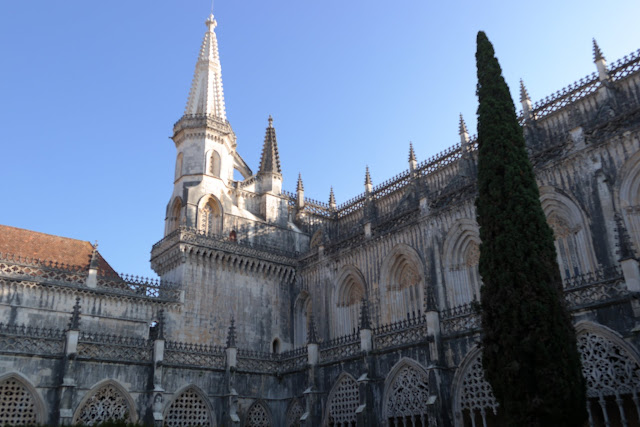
x,y
46,247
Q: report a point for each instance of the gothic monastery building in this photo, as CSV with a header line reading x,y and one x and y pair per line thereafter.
x,y
276,310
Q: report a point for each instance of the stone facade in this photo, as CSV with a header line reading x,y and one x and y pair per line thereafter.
x,y
277,310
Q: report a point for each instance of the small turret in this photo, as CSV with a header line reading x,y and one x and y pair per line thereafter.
x,y
270,173
601,63
300,193
413,163
464,135
368,187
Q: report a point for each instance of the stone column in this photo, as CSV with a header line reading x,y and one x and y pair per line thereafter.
x,y
230,403
68,385
157,394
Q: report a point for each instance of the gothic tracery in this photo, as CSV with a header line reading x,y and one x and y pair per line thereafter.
x,y
107,403
258,416
343,402
407,398
188,409
17,404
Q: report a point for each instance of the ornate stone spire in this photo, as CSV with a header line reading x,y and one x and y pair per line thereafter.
x,y
601,63
332,199
300,186
270,160
412,154
464,134
93,264
206,96
368,186
524,94
597,53
525,100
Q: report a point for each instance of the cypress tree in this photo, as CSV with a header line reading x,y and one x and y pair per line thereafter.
x,y
529,345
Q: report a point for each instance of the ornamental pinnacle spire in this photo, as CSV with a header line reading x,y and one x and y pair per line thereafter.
x,y
206,96
270,160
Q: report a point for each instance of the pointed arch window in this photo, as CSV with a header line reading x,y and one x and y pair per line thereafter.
x,y
108,402
407,398
175,215
302,315
342,403
258,416
189,408
404,287
350,294
462,252
18,405
214,163
210,221
178,173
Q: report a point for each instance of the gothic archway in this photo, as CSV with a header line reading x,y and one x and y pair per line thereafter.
x,y
20,403
349,295
301,313
294,413
343,400
189,407
107,400
258,415
462,256
402,285
210,216
629,197
407,396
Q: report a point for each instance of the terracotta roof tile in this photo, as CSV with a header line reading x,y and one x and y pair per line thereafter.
x,y
47,247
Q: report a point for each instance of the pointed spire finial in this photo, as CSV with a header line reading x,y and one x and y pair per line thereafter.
x,y
93,264
312,334
231,335
300,186
367,177
270,159
462,128
597,53
412,154
332,199
524,94
74,323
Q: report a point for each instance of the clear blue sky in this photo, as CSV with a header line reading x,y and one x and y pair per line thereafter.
x,y
89,92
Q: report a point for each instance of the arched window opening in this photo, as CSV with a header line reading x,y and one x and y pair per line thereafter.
x,y
214,164
258,416
294,414
630,198
275,346
175,215
408,398
106,403
350,294
178,172
211,218
477,406
342,403
462,252
189,408
612,375
302,314
404,297
17,403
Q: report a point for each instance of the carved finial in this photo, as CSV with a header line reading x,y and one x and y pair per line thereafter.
x,y
412,154
597,53
367,177
231,335
365,320
300,187
270,159
625,246
312,335
270,121
462,128
74,323
524,95
211,23
332,198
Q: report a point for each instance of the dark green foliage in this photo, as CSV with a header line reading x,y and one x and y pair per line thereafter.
x,y
529,346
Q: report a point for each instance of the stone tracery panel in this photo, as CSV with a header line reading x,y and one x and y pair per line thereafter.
x,y
17,403
343,401
258,416
294,414
106,403
402,287
407,397
476,397
188,409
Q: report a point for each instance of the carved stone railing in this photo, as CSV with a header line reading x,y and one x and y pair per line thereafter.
x,y
340,348
460,319
18,267
256,361
141,286
32,341
198,355
189,121
114,348
293,360
594,288
407,331
223,243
